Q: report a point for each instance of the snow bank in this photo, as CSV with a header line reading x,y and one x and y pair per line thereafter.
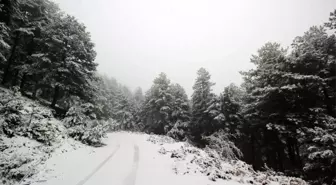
x,y
18,158
29,133
194,161
21,157
50,168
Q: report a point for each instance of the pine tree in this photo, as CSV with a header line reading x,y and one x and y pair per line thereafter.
x,y
201,98
180,114
156,110
138,96
70,49
16,23
313,72
6,14
123,111
231,106
265,105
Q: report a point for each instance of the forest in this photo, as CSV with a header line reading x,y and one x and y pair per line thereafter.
x,y
282,117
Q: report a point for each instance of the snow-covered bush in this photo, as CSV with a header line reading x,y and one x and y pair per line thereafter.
x,y
83,126
219,141
160,139
10,124
44,131
195,161
78,114
26,118
10,109
11,105
178,131
89,135
19,157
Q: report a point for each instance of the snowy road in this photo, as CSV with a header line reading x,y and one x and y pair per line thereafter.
x,y
128,159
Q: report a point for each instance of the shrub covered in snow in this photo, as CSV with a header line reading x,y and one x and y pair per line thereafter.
x,y
160,139
89,135
45,131
20,116
19,157
219,141
208,162
178,131
83,126
79,114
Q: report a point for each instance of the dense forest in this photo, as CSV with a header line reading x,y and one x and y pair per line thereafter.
x,y
282,117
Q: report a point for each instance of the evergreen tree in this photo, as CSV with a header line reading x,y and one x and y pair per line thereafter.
x,y
157,107
265,106
180,114
200,99
313,70
138,96
231,106
123,111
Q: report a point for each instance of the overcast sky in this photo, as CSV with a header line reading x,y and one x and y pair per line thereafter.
x,y
137,39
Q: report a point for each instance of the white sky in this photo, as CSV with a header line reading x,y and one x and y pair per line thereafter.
x,y
137,39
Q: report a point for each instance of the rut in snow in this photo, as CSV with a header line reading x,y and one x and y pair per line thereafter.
x,y
99,166
130,179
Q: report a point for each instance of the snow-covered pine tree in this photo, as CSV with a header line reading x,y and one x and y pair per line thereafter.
x,y
104,97
6,14
124,111
266,107
138,96
200,100
31,54
180,114
312,73
18,28
231,104
71,50
156,111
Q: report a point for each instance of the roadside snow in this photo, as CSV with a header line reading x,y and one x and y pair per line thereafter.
x,y
192,161
141,159
71,163
19,156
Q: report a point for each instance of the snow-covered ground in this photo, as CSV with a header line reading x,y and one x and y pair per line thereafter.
x,y
140,159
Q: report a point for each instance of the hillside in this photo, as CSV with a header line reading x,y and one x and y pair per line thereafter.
x,y
30,134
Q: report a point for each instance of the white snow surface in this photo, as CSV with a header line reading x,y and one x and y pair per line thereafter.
x,y
141,159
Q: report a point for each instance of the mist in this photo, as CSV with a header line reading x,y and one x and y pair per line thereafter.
x,y
136,40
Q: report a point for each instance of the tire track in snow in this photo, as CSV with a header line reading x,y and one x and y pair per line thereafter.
x,y
98,167
130,179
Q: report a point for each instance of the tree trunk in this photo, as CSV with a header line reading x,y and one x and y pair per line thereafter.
x,y
280,158
10,60
253,151
297,151
22,83
291,151
35,90
56,94
15,77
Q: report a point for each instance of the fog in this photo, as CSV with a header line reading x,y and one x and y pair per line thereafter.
x,y
137,39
